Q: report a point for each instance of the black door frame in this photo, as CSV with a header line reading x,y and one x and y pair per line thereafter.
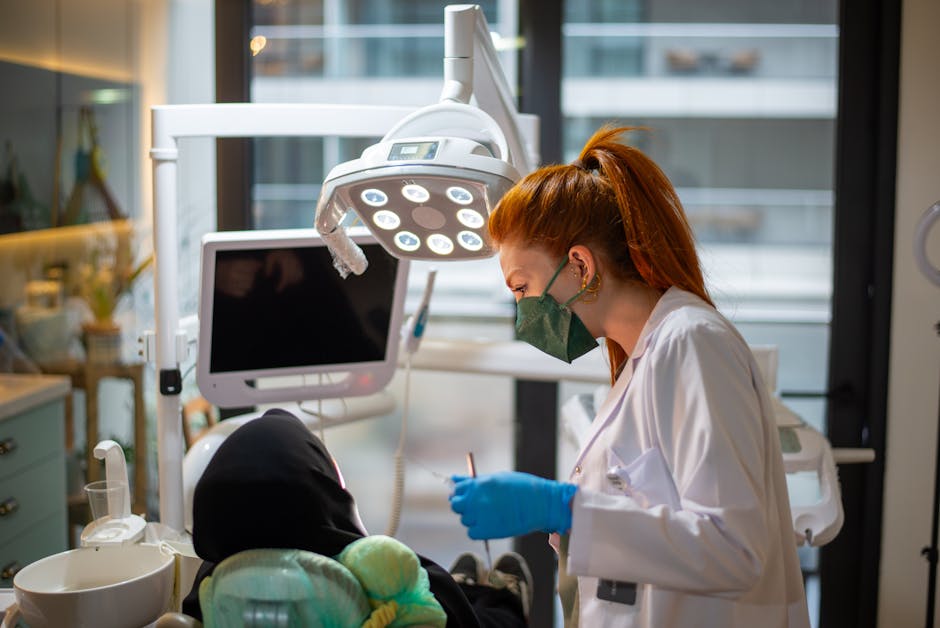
x,y
233,19
863,250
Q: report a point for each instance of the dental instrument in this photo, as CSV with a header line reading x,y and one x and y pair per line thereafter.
x,y
472,468
446,479
414,330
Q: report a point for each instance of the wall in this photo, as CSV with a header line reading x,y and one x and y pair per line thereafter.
x,y
162,47
55,60
915,348
94,39
165,49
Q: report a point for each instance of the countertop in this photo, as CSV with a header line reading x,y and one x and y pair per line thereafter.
x,y
22,392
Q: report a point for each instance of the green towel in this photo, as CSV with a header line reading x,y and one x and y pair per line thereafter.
x,y
390,571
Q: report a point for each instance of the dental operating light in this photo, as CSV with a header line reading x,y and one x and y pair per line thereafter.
x,y
425,195
426,189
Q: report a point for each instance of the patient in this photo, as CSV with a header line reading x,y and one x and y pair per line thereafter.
x,y
273,484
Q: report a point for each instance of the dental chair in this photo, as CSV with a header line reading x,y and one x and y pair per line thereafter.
x,y
199,415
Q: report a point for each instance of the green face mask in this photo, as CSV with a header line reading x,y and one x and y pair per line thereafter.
x,y
551,327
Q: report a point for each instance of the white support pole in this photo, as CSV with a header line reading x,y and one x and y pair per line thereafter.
x,y
166,299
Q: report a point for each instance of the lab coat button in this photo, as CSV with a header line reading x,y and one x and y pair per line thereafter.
x,y
577,470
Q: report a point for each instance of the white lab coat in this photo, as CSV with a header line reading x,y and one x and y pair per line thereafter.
x,y
698,514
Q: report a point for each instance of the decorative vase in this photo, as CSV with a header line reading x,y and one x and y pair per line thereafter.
x,y
102,342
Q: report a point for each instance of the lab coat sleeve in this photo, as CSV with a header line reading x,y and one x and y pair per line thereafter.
x,y
701,399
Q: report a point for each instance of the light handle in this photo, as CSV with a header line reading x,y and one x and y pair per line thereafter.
x,y
926,222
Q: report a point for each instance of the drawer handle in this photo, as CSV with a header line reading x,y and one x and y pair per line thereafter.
x,y
8,445
9,570
9,506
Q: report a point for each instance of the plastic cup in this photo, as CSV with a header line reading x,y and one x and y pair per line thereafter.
x,y
106,498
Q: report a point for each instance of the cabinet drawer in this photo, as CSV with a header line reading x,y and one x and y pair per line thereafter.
x,y
31,436
43,539
38,491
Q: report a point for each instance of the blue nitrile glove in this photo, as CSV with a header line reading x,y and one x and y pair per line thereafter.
x,y
507,504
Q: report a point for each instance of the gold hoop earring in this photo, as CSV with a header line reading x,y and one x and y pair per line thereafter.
x,y
591,291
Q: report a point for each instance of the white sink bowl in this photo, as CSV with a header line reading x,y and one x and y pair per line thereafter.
x,y
120,586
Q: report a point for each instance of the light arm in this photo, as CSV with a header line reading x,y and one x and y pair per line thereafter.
x,y
472,67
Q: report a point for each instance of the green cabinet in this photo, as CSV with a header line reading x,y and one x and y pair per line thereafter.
x,y
33,504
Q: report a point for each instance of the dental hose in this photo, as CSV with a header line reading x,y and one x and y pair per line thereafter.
x,y
410,342
398,490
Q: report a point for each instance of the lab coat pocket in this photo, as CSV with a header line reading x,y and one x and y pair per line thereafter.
x,y
647,479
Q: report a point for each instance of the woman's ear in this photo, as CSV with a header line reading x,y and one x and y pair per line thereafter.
x,y
584,260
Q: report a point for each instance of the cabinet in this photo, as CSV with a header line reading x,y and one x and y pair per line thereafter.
x,y
33,506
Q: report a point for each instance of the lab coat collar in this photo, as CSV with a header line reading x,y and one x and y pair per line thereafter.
x,y
671,299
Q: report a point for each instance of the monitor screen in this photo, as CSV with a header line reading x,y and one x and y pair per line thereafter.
x,y
273,304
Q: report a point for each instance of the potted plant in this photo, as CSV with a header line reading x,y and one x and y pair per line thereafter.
x,y
104,280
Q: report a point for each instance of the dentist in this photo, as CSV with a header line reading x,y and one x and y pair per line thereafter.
x,y
676,512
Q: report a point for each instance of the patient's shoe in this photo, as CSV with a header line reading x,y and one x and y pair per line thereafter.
x,y
512,572
468,569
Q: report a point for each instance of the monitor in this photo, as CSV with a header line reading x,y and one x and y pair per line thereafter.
x,y
277,323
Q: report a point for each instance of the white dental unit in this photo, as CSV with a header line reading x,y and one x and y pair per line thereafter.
x,y
471,68
450,162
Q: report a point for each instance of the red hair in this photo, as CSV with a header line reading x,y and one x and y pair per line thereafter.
x,y
618,202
